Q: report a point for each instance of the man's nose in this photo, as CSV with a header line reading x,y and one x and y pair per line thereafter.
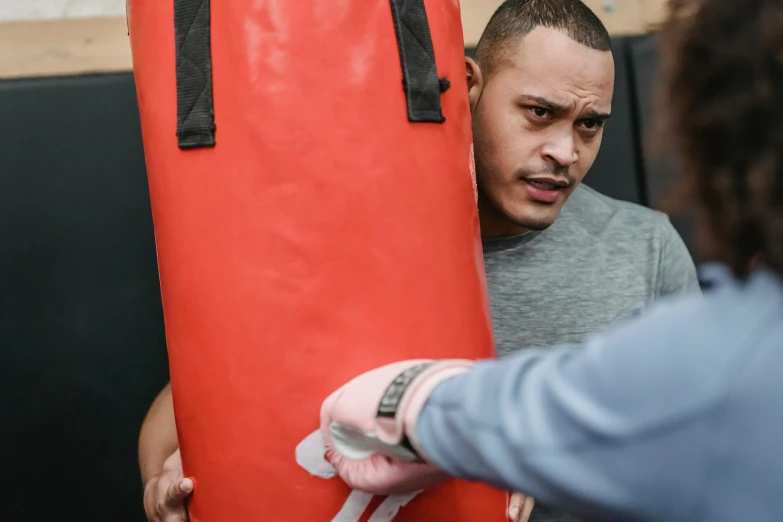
x,y
561,148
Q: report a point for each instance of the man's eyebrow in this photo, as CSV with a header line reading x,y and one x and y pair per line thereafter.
x,y
544,103
591,114
595,115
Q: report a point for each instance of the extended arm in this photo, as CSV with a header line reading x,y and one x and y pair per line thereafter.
x,y
616,427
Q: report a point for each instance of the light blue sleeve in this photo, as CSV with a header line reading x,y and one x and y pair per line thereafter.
x,y
615,427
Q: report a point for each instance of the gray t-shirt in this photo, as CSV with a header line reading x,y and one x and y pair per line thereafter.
x,y
601,262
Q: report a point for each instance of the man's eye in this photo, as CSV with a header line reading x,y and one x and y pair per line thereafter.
x,y
540,112
592,124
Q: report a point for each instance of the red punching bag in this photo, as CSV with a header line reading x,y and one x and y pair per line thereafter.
x,y
314,213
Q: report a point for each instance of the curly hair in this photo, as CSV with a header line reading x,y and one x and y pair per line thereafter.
x,y
722,107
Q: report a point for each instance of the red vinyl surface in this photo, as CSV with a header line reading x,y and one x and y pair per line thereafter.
x,y
322,236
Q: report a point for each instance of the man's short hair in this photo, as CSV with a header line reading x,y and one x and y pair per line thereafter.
x,y
514,19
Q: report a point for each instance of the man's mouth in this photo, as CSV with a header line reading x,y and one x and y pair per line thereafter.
x,y
546,190
544,185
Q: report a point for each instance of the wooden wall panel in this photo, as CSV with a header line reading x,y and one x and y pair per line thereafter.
x,y
64,47
621,17
88,45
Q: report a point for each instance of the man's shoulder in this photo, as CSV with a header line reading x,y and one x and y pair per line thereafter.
x,y
600,213
635,230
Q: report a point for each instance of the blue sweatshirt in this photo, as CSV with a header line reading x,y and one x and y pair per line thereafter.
x,y
675,416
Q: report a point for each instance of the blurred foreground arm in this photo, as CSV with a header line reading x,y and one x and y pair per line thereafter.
x,y
618,429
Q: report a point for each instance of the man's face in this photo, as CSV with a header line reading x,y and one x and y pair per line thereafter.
x,y
537,126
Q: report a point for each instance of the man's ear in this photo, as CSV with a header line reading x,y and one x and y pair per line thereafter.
x,y
475,81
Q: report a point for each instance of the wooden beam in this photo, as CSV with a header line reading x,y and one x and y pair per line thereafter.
x,y
64,47
621,17
655,12
95,45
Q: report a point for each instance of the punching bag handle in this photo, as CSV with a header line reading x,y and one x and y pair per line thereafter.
x,y
420,74
195,106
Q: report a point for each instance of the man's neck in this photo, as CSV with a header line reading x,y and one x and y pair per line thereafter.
x,y
493,223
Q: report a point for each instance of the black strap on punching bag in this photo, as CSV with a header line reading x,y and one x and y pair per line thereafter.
x,y
419,72
195,106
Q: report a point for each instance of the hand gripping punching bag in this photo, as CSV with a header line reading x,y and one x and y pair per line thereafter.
x,y
308,165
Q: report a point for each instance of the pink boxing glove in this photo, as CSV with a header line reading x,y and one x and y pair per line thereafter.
x,y
369,426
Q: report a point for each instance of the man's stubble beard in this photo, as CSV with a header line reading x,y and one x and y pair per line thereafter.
x,y
528,223
533,224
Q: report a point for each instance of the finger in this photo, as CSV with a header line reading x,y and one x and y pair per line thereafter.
x,y
515,505
527,509
172,507
178,492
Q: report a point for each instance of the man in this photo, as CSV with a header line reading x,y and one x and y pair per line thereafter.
x,y
674,416
562,260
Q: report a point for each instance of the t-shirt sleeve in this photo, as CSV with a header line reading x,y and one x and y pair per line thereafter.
x,y
676,269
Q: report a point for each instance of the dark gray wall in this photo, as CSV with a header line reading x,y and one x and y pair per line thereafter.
x,y
618,170
82,349
660,176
